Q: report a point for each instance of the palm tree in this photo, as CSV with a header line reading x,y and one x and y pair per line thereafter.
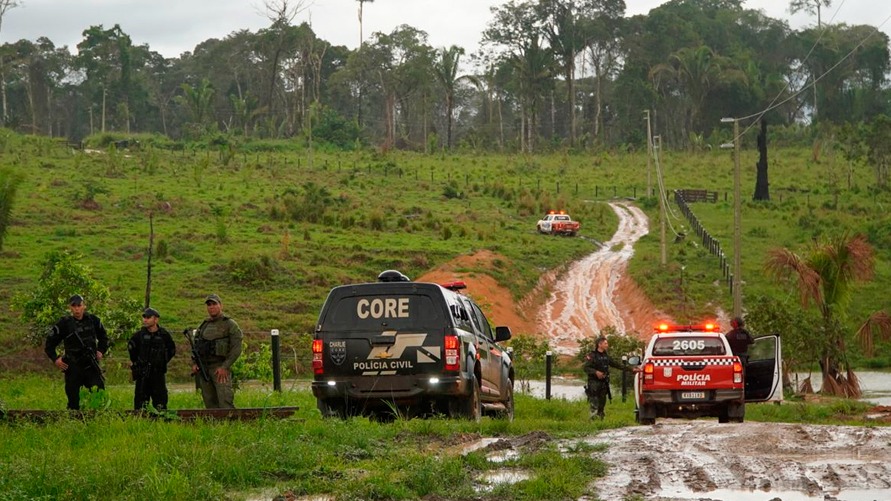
x,y
697,71
445,69
825,277
361,4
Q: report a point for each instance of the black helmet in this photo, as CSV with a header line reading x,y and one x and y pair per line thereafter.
x,y
392,276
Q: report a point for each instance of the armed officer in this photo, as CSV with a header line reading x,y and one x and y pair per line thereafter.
x,y
85,343
150,348
218,343
740,339
596,366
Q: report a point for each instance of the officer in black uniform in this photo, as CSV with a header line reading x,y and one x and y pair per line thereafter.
x,y
85,344
596,366
739,339
151,348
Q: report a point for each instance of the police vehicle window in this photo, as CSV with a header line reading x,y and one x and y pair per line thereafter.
x,y
485,327
477,326
387,312
692,345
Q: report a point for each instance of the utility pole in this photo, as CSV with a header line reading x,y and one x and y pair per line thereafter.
x,y
649,152
662,208
737,221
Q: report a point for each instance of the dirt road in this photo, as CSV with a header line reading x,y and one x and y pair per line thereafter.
x,y
583,301
705,460
683,460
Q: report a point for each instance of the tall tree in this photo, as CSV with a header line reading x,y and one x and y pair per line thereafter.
x,y
694,71
825,278
603,22
361,19
105,57
516,32
809,6
279,34
445,69
5,5
562,27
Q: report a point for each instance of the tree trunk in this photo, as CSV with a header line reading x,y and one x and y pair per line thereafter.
x,y
762,185
3,91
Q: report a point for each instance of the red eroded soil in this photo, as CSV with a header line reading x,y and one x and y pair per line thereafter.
x,y
580,301
521,316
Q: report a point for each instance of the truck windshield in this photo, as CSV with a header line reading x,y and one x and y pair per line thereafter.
x,y
692,345
402,313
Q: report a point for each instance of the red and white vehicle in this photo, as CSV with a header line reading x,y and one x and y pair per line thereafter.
x,y
689,371
558,223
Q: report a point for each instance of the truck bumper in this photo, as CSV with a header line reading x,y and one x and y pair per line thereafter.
x,y
675,397
391,388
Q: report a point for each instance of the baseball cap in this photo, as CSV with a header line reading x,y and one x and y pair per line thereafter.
x,y
213,298
75,300
150,312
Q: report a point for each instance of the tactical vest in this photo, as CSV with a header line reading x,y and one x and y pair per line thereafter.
x,y
152,349
85,329
600,362
212,342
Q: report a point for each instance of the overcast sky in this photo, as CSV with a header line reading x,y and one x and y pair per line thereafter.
x,y
172,27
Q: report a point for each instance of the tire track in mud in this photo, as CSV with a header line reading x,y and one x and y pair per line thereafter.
x,y
582,302
677,460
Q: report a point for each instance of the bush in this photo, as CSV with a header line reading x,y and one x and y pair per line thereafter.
x,y
262,270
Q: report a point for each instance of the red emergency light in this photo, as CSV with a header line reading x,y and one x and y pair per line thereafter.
x,y
455,286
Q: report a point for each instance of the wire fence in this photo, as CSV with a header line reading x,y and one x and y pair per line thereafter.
x,y
684,198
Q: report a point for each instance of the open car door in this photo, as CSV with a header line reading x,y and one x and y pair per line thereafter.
x,y
764,370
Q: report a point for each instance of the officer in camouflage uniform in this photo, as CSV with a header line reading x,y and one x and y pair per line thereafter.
x,y
150,349
85,342
596,366
218,343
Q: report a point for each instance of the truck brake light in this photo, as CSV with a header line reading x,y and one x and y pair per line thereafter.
x,y
648,371
317,364
452,353
737,373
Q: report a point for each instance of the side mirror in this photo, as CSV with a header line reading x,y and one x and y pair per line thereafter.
x,y
635,360
502,333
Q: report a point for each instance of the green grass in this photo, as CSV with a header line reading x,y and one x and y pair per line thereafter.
x,y
112,457
245,229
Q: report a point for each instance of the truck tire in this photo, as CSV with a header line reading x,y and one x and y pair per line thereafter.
x,y
331,408
508,412
468,406
646,415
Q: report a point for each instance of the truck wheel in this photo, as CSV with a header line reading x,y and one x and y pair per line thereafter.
x,y
508,412
468,406
736,413
646,415
331,408
539,229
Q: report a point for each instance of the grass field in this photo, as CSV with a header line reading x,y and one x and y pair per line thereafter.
x,y
272,234
114,457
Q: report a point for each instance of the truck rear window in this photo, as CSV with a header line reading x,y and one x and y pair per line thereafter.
x,y
684,346
403,313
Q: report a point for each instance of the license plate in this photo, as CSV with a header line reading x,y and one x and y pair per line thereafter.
x,y
693,395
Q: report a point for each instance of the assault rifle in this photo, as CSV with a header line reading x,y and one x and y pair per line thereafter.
x,y
91,355
196,357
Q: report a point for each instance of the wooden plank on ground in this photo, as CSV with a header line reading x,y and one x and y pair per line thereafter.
x,y
242,414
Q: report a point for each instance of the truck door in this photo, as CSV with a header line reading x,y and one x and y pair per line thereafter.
x,y
764,370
